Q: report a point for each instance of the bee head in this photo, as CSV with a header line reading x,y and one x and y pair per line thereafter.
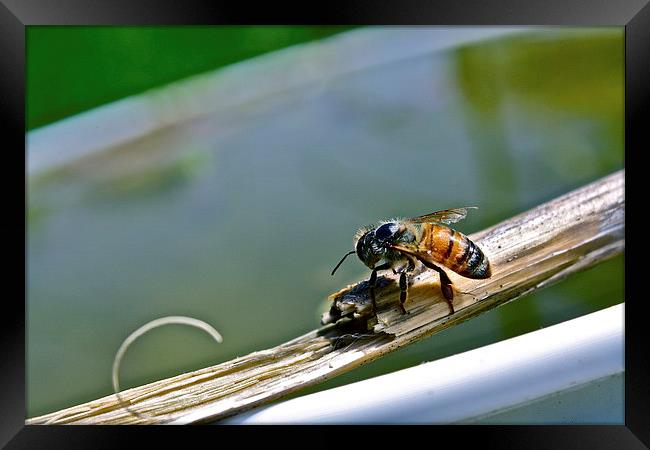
x,y
373,245
386,233
367,249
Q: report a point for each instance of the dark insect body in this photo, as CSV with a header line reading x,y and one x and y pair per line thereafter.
x,y
400,243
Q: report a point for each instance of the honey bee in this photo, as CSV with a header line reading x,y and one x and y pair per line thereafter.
x,y
400,243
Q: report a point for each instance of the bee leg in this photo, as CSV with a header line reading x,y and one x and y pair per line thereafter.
x,y
446,288
445,284
403,291
372,283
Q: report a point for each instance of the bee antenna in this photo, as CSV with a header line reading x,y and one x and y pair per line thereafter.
x,y
341,261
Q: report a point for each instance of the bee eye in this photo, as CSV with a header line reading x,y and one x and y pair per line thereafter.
x,y
385,231
363,241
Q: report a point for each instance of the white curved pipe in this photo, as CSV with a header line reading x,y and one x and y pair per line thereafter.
x,y
469,384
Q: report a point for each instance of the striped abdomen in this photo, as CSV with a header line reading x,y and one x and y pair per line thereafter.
x,y
454,250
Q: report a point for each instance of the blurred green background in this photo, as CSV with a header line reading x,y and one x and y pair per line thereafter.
x,y
237,216
72,69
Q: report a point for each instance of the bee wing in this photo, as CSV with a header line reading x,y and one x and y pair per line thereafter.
x,y
444,216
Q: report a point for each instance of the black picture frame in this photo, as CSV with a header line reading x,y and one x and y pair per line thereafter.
x,y
16,15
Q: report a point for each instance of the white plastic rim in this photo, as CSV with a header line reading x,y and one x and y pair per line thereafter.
x,y
471,384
